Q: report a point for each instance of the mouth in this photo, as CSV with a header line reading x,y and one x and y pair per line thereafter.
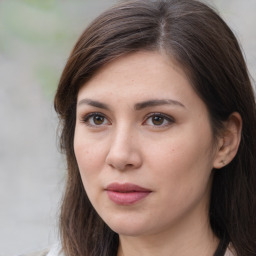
x,y
126,193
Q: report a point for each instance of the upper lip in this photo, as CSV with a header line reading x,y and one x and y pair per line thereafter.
x,y
126,187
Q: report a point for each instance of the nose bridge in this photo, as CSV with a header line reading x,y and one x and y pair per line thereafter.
x,y
123,150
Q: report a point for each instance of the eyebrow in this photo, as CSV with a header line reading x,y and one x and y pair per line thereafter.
x,y
93,103
156,102
137,106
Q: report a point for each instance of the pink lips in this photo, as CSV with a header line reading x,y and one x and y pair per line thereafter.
x,y
127,193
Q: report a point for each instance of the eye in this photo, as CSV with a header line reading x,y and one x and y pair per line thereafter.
x,y
158,119
95,119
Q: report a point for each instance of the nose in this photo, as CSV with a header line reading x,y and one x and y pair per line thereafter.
x,y
124,151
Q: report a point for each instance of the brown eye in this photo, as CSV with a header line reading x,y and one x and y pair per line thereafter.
x,y
95,119
98,120
157,120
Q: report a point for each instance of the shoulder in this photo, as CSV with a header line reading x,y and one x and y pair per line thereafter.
x,y
230,251
40,253
53,251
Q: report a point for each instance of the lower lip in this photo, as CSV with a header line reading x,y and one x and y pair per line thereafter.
x,y
127,198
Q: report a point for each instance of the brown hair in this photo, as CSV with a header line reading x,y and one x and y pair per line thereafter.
x,y
207,50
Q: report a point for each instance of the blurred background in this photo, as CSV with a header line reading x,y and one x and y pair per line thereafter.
x,y
36,37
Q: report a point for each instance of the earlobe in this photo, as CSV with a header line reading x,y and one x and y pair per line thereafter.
x,y
229,141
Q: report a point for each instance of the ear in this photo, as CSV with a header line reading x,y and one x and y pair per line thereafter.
x,y
229,141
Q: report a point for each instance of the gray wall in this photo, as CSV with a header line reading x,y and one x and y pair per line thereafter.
x,y
35,40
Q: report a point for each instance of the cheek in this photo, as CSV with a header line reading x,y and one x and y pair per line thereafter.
x,y
88,155
89,164
183,162
182,177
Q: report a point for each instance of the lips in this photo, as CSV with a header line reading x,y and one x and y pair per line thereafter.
x,y
127,193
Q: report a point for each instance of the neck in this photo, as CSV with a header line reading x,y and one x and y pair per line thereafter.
x,y
188,238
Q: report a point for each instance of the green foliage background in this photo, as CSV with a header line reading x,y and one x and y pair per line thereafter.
x,y
36,37
41,33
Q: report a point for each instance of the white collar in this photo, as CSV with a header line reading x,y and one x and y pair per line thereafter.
x,y
230,251
55,251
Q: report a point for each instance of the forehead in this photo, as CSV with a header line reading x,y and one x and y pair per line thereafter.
x,y
126,84
142,73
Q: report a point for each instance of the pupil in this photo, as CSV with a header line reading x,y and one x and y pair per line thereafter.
x,y
157,120
98,119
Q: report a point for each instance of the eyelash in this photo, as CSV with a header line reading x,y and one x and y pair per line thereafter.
x,y
168,120
86,119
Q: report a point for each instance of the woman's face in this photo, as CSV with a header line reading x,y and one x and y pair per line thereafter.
x,y
144,146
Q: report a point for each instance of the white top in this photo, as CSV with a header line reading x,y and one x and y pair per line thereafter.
x,y
229,252
55,251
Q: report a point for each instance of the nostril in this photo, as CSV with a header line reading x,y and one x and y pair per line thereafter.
x,y
120,166
122,157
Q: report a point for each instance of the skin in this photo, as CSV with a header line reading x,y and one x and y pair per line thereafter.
x,y
121,140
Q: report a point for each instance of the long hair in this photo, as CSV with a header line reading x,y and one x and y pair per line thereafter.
x,y
204,46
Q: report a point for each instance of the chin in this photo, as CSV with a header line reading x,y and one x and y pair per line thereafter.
x,y
127,227
128,231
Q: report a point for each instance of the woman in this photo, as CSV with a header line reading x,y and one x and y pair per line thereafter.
x,y
158,123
